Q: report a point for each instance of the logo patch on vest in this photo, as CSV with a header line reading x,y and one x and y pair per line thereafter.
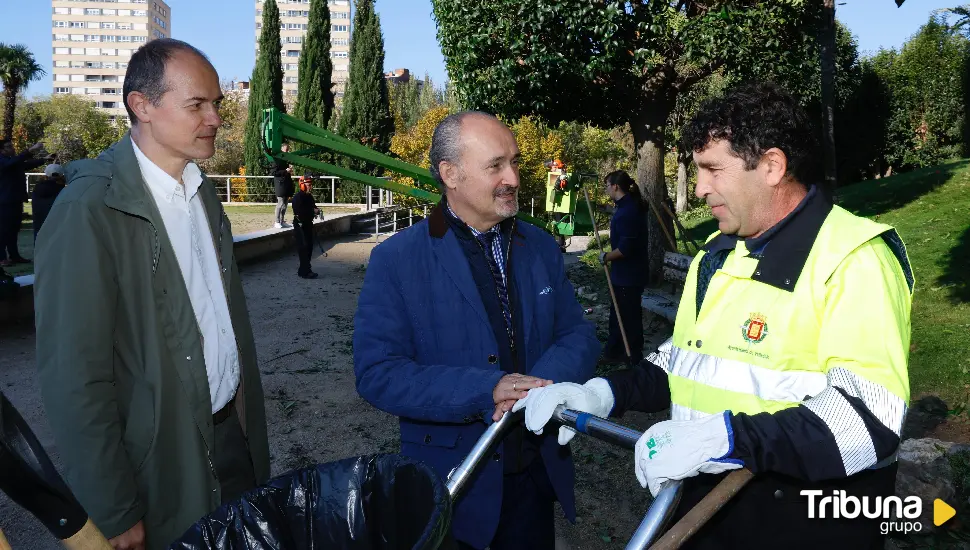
x,y
755,329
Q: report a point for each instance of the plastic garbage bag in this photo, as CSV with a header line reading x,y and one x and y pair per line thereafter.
x,y
373,502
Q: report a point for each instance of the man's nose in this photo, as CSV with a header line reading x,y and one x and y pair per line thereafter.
x,y
703,187
511,177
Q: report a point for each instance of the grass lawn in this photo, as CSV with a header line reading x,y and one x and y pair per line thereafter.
x,y
245,219
930,209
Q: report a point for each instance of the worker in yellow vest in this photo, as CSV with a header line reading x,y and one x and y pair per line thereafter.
x,y
790,347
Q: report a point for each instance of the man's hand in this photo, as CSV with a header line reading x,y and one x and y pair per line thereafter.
x,y
594,397
676,449
132,539
511,388
35,147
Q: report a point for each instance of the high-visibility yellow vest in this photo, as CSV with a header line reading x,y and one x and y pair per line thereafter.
x,y
755,347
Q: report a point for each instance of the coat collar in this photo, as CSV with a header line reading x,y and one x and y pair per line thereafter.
x,y
440,221
783,250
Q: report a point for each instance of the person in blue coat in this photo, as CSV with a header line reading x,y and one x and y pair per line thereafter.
x,y
459,316
628,267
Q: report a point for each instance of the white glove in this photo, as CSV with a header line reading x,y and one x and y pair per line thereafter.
x,y
602,258
594,397
679,449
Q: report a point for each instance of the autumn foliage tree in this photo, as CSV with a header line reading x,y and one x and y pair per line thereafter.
x,y
607,62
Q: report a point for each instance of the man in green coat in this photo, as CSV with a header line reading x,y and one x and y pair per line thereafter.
x,y
144,347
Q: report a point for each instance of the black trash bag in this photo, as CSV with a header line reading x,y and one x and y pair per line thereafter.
x,y
373,502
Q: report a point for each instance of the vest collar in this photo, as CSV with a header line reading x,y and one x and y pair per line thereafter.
x,y
783,250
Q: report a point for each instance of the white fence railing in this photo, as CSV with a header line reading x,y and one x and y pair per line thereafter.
x,y
259,190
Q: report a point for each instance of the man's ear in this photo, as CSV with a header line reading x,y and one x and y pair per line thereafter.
x,y
451,174
775,166
139,104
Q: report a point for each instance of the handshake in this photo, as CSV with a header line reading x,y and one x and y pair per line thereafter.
x,y
667,450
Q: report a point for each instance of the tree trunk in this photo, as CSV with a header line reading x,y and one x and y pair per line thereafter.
x,y
648,136
827,62
683,161
9,105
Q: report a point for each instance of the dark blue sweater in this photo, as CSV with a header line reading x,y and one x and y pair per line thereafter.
x,y
520,447
628,233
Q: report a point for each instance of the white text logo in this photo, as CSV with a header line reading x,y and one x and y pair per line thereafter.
x,y
906,510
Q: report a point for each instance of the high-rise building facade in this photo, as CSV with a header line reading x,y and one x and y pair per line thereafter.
x,y
294,17
93,41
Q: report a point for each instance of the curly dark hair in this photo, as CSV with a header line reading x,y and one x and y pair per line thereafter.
x,y
754,117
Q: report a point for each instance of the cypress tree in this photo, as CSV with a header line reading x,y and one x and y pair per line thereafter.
x,y
265,91
315,97
366,115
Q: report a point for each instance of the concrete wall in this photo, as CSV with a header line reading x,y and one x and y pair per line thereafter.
x,y
248,248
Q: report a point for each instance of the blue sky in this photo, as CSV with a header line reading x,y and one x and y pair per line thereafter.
x,y
409,31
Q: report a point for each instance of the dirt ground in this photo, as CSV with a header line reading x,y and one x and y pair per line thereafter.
x,y
313,410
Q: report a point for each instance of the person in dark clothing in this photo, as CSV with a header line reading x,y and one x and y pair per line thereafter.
x,y
628,267
13,195
304,210
46,190
283,186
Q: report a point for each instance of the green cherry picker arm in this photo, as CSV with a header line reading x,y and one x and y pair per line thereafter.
x,y
279,127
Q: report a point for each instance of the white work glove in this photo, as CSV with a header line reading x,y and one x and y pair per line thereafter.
x,y
602,258
678,449
594,397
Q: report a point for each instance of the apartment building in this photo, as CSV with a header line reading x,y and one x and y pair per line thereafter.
x,y
93,41
294,17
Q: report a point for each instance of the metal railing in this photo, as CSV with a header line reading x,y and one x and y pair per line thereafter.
x,y
237,190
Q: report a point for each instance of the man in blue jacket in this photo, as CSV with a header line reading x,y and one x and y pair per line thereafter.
x,y
458,317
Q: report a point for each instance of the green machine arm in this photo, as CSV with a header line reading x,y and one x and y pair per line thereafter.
x,y
279,127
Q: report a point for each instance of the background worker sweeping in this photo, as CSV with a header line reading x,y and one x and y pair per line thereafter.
x,y
790,348
304,210
628,267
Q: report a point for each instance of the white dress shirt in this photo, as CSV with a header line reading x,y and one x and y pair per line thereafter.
x,y
188,229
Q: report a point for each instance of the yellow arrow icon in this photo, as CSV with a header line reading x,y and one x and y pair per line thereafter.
x,y
942,512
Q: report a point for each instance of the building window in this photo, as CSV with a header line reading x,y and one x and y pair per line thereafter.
x,y
338,28
60,24
110,12
62,11
61,64
292,53
338,42
92,11
61,37
139,13
107,25
125,13
340,15
62,90
339,55
62,78
140,26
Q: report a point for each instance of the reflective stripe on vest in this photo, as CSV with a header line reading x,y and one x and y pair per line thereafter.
x,y
740,387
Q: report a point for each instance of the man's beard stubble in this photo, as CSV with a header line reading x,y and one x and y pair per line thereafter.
x,y
505,207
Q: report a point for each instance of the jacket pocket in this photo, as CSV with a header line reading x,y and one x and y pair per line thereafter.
x,y
431,435
139,437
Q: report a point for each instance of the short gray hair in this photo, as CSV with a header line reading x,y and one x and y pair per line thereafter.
x,y
446,142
